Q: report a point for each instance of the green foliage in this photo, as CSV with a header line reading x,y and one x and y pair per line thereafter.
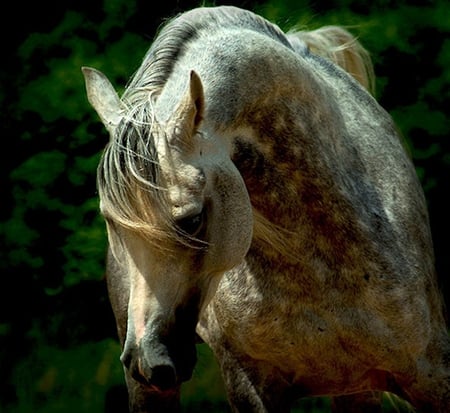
x,y
57,355
205,392
54,380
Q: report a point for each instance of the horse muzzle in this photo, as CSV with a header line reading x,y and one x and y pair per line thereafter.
x,y
164,354
160,364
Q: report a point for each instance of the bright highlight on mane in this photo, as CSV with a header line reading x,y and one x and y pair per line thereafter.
x,y
276,237
341,47
131,187
129,180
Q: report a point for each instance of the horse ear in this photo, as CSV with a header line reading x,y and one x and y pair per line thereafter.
x,y
103,98
198,98
190,111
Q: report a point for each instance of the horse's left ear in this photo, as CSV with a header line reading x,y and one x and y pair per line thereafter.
x,y
189,113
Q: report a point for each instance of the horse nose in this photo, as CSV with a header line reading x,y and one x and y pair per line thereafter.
x,y
156,371
163,377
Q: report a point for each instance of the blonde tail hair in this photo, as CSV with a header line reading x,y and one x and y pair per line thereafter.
x,y
338,45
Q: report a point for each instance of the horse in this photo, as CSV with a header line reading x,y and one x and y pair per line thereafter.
x,y
257,197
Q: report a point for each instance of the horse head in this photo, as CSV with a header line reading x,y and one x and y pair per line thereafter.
x,y
178,216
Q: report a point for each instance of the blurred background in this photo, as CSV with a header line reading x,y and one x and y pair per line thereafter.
x,y
58,347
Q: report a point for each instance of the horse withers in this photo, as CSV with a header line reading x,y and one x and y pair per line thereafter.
x,y
256,195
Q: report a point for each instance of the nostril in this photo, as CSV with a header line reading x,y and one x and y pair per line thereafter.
x,y
164,377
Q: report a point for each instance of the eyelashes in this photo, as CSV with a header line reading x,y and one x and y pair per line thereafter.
x,y
193,224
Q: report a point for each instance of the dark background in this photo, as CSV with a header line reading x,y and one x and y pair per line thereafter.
x,y
58,342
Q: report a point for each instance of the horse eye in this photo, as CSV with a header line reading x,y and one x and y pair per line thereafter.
x,y
191,225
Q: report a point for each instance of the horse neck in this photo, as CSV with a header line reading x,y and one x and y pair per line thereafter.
x,y
285,147
279,122
287,175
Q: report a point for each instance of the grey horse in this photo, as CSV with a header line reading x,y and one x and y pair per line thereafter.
x,y
257,196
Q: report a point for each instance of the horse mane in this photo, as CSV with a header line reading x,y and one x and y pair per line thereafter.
x,y
130,183
342,48
278,239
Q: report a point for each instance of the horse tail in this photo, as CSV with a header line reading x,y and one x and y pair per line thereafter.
x,y
341,47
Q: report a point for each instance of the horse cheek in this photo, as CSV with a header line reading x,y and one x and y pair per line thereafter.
x,y
232,226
